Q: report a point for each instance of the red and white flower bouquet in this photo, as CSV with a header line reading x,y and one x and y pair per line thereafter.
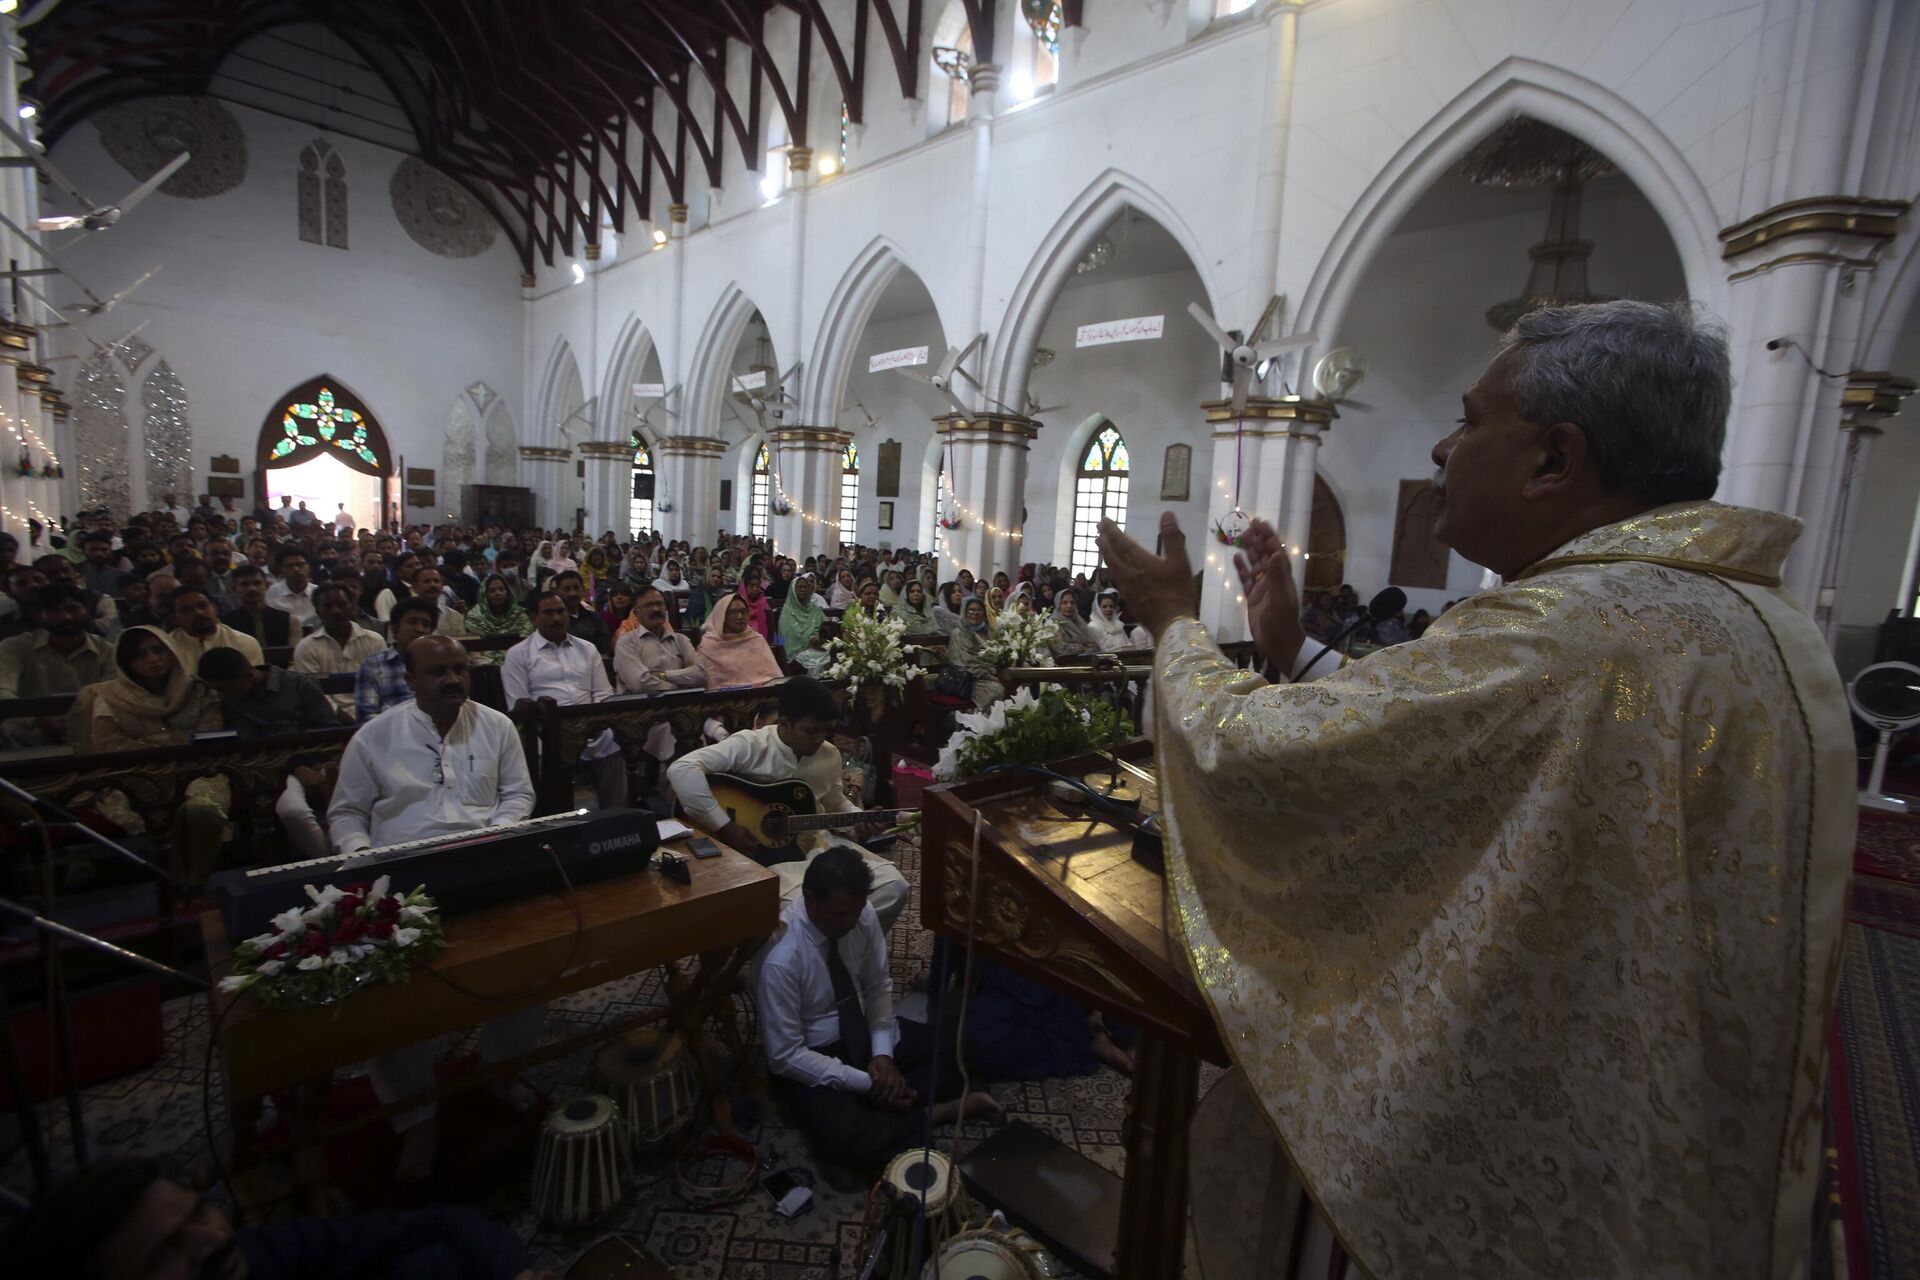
x,y
351,935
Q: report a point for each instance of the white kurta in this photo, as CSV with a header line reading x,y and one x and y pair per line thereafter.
x,y
400,781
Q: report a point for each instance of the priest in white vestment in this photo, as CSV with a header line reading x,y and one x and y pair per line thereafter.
x,y
1525,933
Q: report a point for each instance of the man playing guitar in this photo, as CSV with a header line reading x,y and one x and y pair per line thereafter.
x,y
795,746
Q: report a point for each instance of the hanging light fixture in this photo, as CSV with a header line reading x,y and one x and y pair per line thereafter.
x,y
1526,152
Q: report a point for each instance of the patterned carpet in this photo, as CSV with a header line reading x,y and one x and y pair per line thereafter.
x,y
1876,1052
159,1112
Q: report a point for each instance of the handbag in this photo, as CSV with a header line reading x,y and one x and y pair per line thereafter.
x,y
954,682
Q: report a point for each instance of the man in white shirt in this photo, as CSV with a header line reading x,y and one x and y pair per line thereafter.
x,y
438,765
553,663
652,659
290,588
851,1075
342,522
795,746
339,645
197,628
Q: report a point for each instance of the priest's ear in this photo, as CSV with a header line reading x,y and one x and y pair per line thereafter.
x,y
1563,464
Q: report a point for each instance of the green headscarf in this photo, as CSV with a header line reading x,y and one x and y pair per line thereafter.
x,y
799,623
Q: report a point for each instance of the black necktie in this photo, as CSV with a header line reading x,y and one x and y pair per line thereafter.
x,y
854,1032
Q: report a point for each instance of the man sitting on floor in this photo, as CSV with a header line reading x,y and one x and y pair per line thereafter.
x,y
794,746
852,1077
122,1220
436,766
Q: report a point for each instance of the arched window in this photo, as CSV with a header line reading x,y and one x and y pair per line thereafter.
x,y
1037,56
850,493
952,59
640,513
757,513
773,172
322,190
1100,492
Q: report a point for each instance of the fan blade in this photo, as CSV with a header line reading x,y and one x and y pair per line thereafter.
x,y
1344,403
146,188
1039,409
1280,346
120,296
960,406
1213,329
733,408
956,357
1266,318
780,385
1242,383
917,376
32,242
125,337
45,165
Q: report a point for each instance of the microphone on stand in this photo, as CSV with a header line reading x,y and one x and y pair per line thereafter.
x,y
1379,609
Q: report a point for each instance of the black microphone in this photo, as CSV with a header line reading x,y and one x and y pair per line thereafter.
x,y
1379,609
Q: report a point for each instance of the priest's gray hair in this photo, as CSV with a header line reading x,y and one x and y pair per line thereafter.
x,y
1649,384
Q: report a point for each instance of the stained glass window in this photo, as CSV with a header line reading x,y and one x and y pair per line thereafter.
x,y
850,493
640,513
1100,492
757,513
845,130
323,420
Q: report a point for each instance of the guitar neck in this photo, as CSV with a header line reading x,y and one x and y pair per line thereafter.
x,y
828,821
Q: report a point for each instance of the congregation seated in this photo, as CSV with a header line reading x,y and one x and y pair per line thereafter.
x,y
497,613
252,615
264,702
197,628
554,663
965,657
915,611
61,655
339,645
1109,632
583,620
801,618
732,653
851,1075
1072,637
150,700
292,582
381,681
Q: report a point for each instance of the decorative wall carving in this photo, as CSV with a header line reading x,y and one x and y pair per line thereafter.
x,y
142,136
503,448
100,431
133,352
437,213
169,433
322,204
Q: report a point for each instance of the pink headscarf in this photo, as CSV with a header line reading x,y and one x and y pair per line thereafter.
x,y
742,658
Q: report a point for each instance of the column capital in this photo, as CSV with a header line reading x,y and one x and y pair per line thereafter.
x,y
677,213
541,453
1870,398
1835,230
16,337
799,159
606,451
33,375
683,446
1262,415
828,439
995,428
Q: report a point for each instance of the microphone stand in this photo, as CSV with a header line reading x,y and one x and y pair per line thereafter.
x,y
1326,648
61,817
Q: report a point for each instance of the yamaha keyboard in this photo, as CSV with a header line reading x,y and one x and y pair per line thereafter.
x,y
464,871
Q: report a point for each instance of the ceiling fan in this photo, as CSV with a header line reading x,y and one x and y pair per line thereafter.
x,y
73,321
1035,409
659,405
1337,373
95,304
769,397
941,379
98,217
1249,357
865,412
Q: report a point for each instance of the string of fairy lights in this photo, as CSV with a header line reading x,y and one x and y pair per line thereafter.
x,y
26,440
1220,554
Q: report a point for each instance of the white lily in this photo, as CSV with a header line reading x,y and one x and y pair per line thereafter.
x,y
268,968
310,963
236,982
292,920
405,937
379,889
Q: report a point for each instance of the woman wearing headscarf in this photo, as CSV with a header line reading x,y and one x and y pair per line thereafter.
x,y
946,607
706,589
1109,633
637,568
549,560
913,610
497,613
996,603
731,652
1022,597
868,598
754,595
964,653
1072,639
152,700
800,621
893,592
844,592
595,569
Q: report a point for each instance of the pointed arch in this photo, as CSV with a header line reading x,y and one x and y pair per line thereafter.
x,y
1103,474
322,195
631,351
562,395
1520,86
712,360
1074,447
823,383
1052,264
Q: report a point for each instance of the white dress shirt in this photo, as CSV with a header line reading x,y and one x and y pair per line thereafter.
x,y
795,996
399,780
320,655
759,755
297,603
647,663
571,673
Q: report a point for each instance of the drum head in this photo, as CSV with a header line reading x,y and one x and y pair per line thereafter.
x,y
927,1176
977,1255
637,1057
583,1114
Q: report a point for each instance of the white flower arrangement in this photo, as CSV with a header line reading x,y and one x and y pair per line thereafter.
x,y
350,936
870,652
1021,640
1029,728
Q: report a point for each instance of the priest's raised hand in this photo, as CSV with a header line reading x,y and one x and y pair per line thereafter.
x,y
1157,588
1273,601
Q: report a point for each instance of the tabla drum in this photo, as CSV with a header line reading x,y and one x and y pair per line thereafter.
x,y
989,1254
914,1178
648,1074
577,1174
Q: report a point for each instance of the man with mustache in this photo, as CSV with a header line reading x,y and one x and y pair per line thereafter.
x,y
61,656
437,765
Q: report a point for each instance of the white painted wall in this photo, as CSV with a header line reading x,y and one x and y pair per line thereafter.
x,y
244,310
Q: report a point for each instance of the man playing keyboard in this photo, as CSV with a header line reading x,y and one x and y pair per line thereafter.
x,y
436,766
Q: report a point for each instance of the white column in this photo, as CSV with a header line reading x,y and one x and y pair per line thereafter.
x,y
15,342
609,466
987,479
687,478
1868,401
807,462
1273,449
549,473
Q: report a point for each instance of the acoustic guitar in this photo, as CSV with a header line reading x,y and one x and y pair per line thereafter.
x,y
774,813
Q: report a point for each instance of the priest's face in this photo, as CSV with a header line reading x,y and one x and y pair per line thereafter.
x,y
1484,467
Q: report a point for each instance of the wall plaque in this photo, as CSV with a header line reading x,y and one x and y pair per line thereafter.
x,y
886,515
226,486
420,498
225,464
887,481
1176,473
420,475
